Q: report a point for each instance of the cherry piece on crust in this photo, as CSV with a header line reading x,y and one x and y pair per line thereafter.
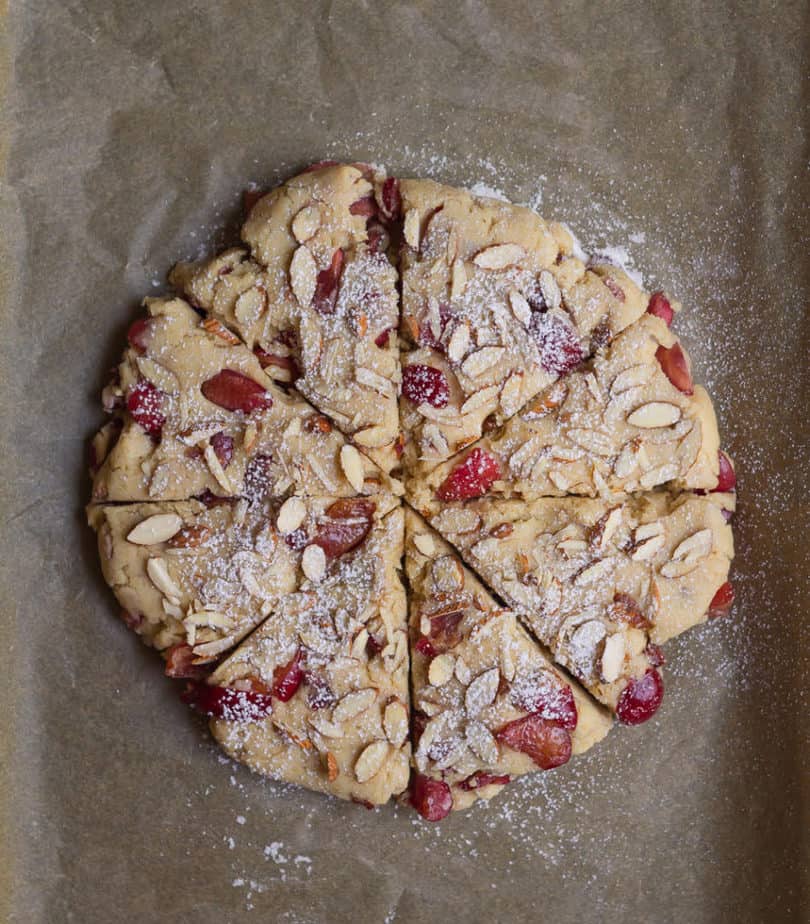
x,y
660,307
180,662
346,524
641,698
236,391
547,744
556,705
144,402
391,199
326,285
481,778
228,704
287,677
431,798
222,444
560,349
722,601
727,479
425,385
470,478
675,366
139,335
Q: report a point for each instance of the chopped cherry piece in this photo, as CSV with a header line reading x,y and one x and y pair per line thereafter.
x,y
481,778
249,198
280,362
326,285
373,646
391,199
377,237
319,694
132,621
640,699
320,165
659,306
180,662
258,480
675,365
228,704
721,601
431,798
425,385
547,744
419,721
236,391
365,206
298,539
214,500
560,349
222,444
381,340
444,635
139,334
287,678
615,289
144,403
557,705
655,655
346,524
470,478
727,480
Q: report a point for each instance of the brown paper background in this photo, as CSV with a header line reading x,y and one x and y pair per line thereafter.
x,y
679,131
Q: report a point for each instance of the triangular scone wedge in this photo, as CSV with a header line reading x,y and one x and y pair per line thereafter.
x,y
600,584
494,309
318,695
194,580
316,298
199,414
617,425
489,704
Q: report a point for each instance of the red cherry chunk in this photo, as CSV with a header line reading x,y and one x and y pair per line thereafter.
x,y
547,744
236,391
381,340
559,346
655,655
660,307
615,289
721,601
641,698
365,206
431,798
425,385
482,778
675,366
556,705
139,335
287,678
180,662
727,479
144,402
222,444
444,635
346,524
326,285
470,478
391,199
228,704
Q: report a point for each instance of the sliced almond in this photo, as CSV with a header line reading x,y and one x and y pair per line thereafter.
x,y
292,514
324,727
463,672
250,435
632,377
499,256
520,307
550,290
375,381
482,691
457,520
612,658
160,577
447,574
373,437
210,650
352,464
424,543
306,223
158,528
678,569
249,305
660,475
479,362
647,549
458,279
371,760
353,704
482,743
216,469
697,546
313,563
411,228
441,669
605,529
510,398
303,276
572,546
655,414
395,723
594,572
484,397
592,440
459,343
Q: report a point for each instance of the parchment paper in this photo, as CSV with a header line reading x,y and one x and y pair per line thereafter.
x,y
677,132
